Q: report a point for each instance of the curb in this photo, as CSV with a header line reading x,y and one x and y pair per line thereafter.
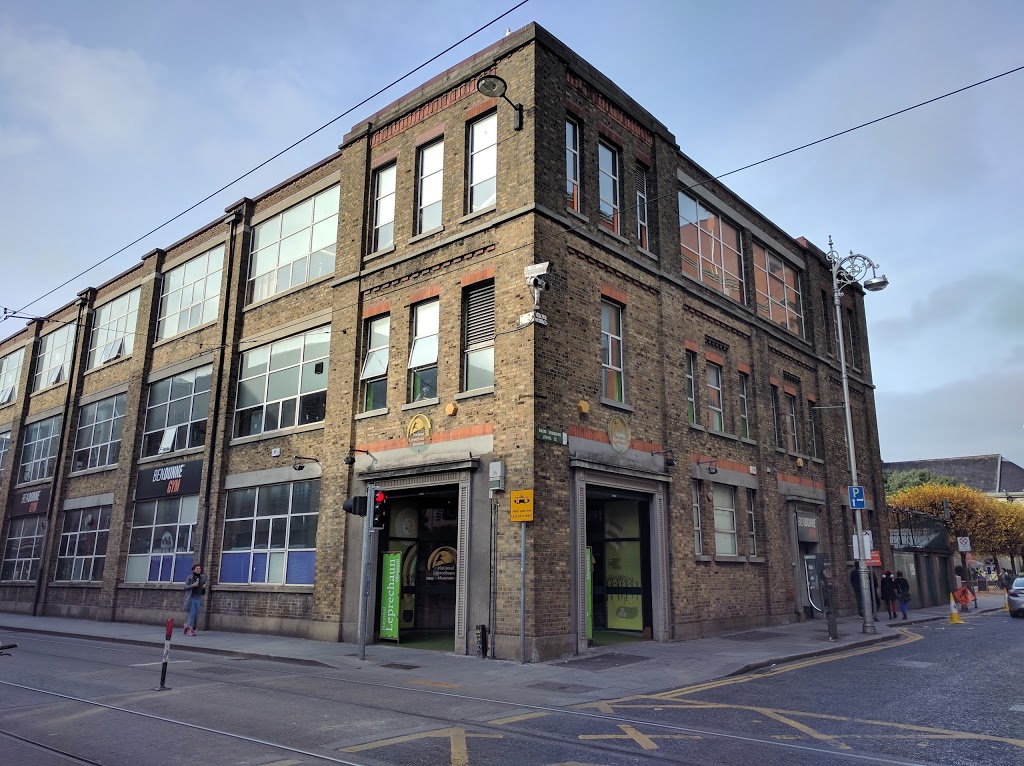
x,y
230,653
807,655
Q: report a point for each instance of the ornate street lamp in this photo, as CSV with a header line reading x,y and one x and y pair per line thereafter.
x,y
849,270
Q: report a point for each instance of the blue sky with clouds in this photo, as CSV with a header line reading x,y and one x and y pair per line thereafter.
x,y
115,116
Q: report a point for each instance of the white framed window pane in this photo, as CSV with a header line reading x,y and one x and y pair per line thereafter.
x,y
424,351
428,318
480,369
725,544
376,364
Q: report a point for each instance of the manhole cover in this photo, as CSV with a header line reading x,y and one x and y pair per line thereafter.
x,y
399,666
551,686
605,661
754,635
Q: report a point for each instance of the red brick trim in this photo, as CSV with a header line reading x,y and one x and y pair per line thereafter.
x,y
789,390
483,107
383,159
423,294
610,134
614,293
590,434
377,309
411,119
714,358
728,465
428,135
573,110
478,276
689,345
643,158
801,480
812,398
774,381
743,367
466,432
599,100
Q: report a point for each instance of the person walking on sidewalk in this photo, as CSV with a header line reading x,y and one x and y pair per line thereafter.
x,y
889,593
902,592
195,589
855,584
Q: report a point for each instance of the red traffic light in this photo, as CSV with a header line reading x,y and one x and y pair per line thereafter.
x,y
379,496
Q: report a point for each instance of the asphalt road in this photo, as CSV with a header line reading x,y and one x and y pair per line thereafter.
x,y
942,695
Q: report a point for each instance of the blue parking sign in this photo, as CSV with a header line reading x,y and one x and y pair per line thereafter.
x,y
856,497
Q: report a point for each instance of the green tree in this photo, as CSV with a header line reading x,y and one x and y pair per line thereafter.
x,y
897,481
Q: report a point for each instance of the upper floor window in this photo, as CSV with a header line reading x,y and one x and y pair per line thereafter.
x,y
641,206
691,388
293,247
854,337
374,376
725,520
815,419
698,538
113,330
53,362
478,349
608,186
39,451
483,163
23,548
176,412
5,447
423,354
791,421
160,547
778,290
744,416
98,440
751,523
716,415
10,374
384,208
430,189
710,248
83,545
775,416
572,165
283,384
611,352
190,294
828,314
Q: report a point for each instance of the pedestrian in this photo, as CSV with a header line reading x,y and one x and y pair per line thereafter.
x,y
195,589
902,593
889,593
855,584
1005,579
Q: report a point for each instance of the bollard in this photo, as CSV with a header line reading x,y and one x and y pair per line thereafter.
x,y
167,654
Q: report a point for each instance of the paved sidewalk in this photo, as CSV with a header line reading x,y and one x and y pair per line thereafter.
x,y
602,673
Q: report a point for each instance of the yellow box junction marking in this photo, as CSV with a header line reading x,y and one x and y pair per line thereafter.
x,y
457,737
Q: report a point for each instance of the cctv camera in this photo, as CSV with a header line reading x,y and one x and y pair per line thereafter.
x,y
297,466
537,283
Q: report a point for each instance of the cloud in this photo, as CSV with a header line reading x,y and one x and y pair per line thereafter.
x,y
15,143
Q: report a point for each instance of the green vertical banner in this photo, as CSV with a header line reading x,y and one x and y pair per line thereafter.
x,y
390,590
590,594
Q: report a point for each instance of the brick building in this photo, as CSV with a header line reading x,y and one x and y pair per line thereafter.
x,y
370,320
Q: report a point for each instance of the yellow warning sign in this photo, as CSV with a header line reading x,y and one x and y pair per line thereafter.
x,y
522,505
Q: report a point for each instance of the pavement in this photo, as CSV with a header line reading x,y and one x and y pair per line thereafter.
x,y
602,673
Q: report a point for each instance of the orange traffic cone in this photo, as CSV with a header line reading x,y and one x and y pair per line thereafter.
x,y
954,613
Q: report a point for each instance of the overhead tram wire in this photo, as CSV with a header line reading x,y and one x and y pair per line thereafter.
x,y
266,162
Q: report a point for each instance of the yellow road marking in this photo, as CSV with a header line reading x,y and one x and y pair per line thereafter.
x,y
646,741
517,718
456,736
813,733
288,762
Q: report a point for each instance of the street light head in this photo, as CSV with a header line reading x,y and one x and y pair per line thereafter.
x,y
491,85
875,284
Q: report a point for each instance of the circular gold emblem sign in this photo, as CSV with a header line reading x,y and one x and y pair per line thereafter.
x,y
618,434
418,433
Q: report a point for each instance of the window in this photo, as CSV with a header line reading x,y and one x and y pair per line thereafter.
x,y
5,447
478,321
54,358
160,549
828,315
190,294
83,545
375,367
608,186
283,384
775,416
855,350
423,354
794,441
698,540
23,548
294,247
816,449
384,208
641,206
751,524
777,285
98,440
10,375
725,520
691,389
716,417
744,417
611,352
270,534
39,453
176,412
483,163
431,186
113,329
710,248
572,165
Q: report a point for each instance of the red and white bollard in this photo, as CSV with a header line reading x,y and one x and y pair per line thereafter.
x,y
167,654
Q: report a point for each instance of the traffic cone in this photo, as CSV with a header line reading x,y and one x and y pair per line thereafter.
x,y
954,614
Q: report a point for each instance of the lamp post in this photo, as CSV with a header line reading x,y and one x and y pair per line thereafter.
x,y
850,270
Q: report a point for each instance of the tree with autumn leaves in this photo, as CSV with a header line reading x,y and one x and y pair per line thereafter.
x,y
995,528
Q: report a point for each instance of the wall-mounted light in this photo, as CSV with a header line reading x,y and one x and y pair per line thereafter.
x,y
299,462
711,465
494,87
350,458
670,458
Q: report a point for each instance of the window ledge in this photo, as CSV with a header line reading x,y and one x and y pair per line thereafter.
x,y
175,586
723,435
731,559
745,440
169,455
426,234
618,405
577,214
474,393
275,434
18,583
371,414
756,559
380,253
421,403
34,483
285,293
818,460
648,253
477,214
702,557
781,451
74,584
241,587
696,427
189,331
14,400
107,365
89,471
613,234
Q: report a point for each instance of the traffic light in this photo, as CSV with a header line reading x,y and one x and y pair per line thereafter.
x,y
355,505
380,509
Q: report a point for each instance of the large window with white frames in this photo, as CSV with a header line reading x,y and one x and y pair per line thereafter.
x,y
113,329
190,295
612,376
98,439
53,361
176,412
478,348
384,208
710,248
83,545
430,187
608,186
23,547
160,548
483,163
39,449
374,376
423,354
10,375
5,447
778,291
294,247
724,499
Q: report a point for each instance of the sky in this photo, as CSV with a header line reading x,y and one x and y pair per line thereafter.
x,y
117,116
